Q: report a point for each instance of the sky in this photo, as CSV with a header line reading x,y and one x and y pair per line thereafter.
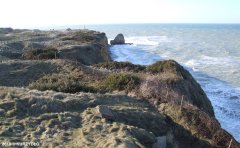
x,y
40,13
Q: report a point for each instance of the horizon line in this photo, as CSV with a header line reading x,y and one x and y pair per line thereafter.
x,y
93,24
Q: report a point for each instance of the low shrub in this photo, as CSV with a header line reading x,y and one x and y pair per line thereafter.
x,y
160,66
49,53
60,83
170,66
126,66
120,82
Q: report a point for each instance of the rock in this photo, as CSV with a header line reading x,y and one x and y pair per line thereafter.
x,y
69,29
105,112
119,39
161,142
87,52
79,52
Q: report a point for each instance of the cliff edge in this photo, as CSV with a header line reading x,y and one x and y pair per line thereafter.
x,y
68,93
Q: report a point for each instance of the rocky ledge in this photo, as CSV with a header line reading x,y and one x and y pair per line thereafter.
x,y
68,101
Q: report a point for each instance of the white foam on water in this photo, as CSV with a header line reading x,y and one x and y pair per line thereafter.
x,y
194,64
224,97
146,40
133,54
225,100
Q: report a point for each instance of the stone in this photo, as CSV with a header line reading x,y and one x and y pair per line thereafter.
x,y
161,142
119,39
105,112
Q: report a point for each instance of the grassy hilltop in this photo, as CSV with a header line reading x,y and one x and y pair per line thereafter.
x,y
61,89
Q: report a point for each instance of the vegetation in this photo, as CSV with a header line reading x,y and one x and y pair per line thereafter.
x,y
170,66
41,54
126,66
200,124
82,35
120,82
161,66
60,83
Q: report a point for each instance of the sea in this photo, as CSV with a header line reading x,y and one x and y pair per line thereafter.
x,y
210,52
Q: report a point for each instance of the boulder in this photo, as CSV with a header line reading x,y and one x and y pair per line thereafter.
x,y
119,39
105,112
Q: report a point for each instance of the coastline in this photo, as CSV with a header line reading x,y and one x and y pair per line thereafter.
x,y
129,81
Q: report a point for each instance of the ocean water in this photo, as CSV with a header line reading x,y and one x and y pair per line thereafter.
x,y
211,52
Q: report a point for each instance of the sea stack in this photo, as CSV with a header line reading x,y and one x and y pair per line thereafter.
x,y
119,39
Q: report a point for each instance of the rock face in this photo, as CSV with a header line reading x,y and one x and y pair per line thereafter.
x,y
79,52
91,48
119,39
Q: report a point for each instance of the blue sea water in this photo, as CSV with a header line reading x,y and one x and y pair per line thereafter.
x,y
211,52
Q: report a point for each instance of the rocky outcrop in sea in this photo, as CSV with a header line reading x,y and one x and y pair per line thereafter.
x,y
119,39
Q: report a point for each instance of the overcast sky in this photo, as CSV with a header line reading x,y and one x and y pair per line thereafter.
x,y
39,13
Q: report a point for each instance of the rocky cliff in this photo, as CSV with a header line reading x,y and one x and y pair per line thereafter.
x,y
77,101
85,46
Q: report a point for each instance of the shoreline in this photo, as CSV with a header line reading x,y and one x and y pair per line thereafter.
x,y
65,69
